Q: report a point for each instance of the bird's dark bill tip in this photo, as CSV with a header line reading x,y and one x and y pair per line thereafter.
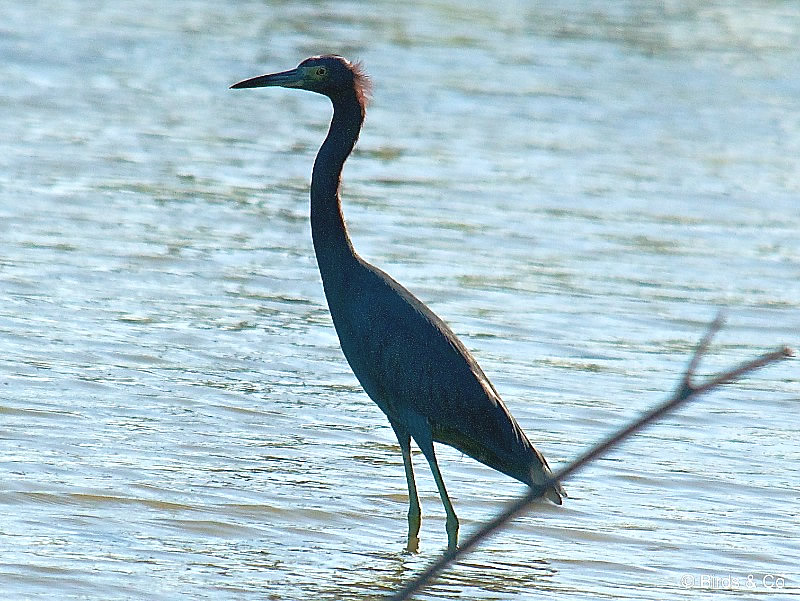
x,y
286,79
245,83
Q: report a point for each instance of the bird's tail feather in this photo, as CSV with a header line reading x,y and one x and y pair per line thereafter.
x,y
541,472
555,493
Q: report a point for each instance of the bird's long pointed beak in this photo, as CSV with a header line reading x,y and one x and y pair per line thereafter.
x,y
286,79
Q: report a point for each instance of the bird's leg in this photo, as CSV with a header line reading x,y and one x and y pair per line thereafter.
x,y
414,511
452,520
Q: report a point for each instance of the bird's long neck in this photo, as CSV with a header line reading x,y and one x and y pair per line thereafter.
x,y
331,242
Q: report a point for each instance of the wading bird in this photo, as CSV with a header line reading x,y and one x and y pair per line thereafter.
x,y
406,358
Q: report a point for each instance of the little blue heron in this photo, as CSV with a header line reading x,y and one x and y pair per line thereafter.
x,y
406,358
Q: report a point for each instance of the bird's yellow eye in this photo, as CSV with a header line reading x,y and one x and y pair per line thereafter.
x,y
321,71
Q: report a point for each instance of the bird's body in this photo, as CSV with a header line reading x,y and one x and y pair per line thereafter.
x,y
406,358
413,366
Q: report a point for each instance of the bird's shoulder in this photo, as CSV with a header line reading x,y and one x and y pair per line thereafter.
x,y
384,305
398,346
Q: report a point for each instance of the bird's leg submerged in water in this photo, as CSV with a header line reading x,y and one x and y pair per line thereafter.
x,y
414,511
422,436
420,430
452,519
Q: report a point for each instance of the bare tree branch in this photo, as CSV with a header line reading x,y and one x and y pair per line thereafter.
x,y
687,390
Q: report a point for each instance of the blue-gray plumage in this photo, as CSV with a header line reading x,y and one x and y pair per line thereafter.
x,y
406,358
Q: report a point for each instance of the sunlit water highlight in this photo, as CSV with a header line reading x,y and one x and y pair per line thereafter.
x,y
576,188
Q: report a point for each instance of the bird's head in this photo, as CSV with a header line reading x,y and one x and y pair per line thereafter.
x,y
330,75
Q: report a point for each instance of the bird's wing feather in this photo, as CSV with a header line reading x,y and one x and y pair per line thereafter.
x,y
408,359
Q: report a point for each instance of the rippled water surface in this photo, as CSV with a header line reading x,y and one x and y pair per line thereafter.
x,y
576,188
